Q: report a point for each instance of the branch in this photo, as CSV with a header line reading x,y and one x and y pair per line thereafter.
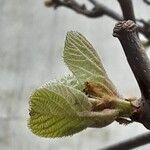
x,y
127,9
97,11
128,14
139,62
145,30
147,2
106,11
131,143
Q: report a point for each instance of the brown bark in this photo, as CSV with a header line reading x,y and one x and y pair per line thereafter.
x,y
126,31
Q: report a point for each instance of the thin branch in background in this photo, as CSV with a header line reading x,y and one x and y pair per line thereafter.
x,y
81,9
147,2
131,143
146,28
97,11
127,9
106,11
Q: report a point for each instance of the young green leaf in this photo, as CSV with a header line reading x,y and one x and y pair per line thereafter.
x,y
57,110
54,111
83,61
71,81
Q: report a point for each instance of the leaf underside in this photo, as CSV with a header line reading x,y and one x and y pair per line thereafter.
x,y
71,81
57,110
82,59
54,111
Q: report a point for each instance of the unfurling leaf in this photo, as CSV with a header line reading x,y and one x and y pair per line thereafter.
x,y
57,110
62,109
71,81
84,62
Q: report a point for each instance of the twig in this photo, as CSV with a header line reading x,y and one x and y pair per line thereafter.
x,y
106,11
139,62
147,2
131,143
127,9
145,29
128,14
97,11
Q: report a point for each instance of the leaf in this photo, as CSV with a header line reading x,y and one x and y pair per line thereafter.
x,y
54,111
71,81
84,62
57,110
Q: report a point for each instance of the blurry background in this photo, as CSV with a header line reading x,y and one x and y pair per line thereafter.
x,y
31,44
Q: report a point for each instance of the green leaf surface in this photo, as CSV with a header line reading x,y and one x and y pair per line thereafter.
x,y
84,62
54,111
61,109
57,110
71,81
